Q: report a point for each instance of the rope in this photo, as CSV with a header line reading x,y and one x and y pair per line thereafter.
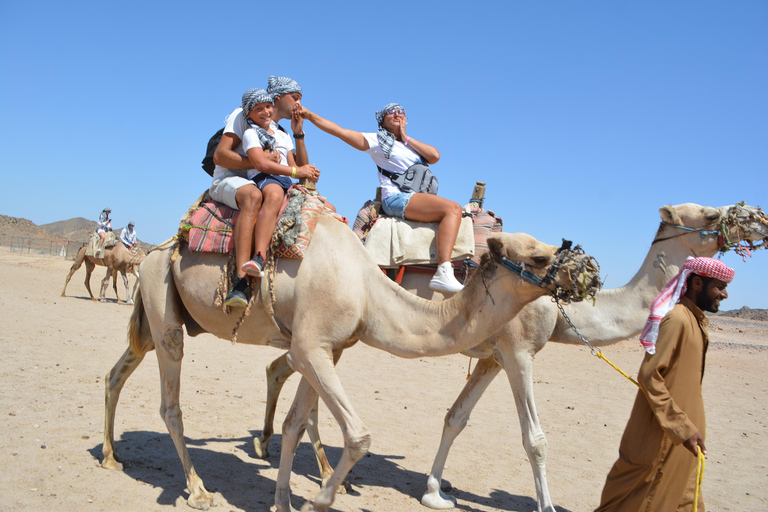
x,y
599,353
699,478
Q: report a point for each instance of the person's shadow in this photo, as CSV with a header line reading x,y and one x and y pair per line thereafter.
x,y
151,457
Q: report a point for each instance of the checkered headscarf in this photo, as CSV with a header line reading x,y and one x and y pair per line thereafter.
x,y
385,137
675,288
251,98
279,85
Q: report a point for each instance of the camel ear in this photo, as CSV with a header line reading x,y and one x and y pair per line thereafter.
x,y
669,214
496,248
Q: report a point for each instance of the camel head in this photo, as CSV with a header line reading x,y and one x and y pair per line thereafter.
x,y
740,227
563,272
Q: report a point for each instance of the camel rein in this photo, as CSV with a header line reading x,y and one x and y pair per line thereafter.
x,y
599,353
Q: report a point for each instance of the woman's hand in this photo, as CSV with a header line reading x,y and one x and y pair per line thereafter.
x,y
308,171
403,122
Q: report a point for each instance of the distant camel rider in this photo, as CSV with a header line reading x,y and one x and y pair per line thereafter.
x,y
128,236
103,226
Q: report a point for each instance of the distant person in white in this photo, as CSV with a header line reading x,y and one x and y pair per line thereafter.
x,y
103,226
128,236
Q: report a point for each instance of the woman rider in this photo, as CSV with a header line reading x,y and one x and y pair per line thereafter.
x,y
393,150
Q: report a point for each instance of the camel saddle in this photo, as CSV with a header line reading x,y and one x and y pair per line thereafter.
x,y
93,243
397,242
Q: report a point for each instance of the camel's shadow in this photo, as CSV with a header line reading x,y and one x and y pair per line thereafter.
x,y
150,457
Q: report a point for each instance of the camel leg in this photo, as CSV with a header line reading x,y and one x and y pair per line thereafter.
x,y
135,271
455,421
124,274
169,355
89,266
76,265
114,382
296,421
278,372
518,364
105,285
317,368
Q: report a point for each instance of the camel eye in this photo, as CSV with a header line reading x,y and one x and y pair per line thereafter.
x,y
540,260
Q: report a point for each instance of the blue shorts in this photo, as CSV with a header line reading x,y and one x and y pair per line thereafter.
x,y
263,179
395,205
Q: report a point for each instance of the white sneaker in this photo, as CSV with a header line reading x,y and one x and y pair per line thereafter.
x,y
444,280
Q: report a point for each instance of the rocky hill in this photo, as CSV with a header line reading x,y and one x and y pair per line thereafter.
x,y
16,227
78,229
747,313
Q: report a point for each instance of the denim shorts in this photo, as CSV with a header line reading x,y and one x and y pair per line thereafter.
x,y
395,205
263,179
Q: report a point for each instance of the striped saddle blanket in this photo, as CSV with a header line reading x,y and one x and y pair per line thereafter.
x,y
211,226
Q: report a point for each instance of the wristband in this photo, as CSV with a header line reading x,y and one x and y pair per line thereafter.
x,y
299,136
406,140
293,172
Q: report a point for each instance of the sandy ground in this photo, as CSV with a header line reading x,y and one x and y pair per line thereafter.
x,y
57,350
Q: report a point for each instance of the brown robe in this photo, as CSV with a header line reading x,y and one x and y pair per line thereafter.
x,y
654,471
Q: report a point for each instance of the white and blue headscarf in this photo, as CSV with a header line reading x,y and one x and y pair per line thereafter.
x,y
385,137
251,98
279,85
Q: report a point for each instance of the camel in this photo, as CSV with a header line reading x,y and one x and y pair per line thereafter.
x,y
179,291
685,230
117,259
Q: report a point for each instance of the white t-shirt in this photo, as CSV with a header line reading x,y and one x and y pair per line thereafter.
x,y
400,159
236,124
283,144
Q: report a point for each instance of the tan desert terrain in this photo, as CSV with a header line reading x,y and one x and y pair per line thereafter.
x,y
57,350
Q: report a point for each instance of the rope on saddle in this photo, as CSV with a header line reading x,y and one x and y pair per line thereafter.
x,y
599,353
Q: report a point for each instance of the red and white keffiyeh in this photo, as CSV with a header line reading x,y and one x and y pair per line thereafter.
x,y
675,288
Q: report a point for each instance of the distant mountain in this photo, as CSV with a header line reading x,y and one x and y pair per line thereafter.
x,y
78,229
746,312
15,227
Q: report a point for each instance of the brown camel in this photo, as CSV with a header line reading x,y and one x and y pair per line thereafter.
x,y
373,310
117,259
686,230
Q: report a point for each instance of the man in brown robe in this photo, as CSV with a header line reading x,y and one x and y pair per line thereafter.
x,y
656,468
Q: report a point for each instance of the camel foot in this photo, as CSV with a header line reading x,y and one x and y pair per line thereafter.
x,y
63,294
344,488
103,301
261,448
201,502
438,500
111,463
129,302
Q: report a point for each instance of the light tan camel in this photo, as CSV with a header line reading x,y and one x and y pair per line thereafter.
x,y
117,259
686,230
375,311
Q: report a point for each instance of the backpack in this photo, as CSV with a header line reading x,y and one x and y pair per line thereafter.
x,y
213,143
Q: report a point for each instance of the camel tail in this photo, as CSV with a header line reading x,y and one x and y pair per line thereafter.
x,y
134,325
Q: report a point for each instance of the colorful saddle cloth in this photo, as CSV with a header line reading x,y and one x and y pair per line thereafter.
x,y
211,226
297,222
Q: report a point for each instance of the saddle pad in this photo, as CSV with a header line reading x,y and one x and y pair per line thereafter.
x,y
211,228
293,236
394,242
93,243
486,223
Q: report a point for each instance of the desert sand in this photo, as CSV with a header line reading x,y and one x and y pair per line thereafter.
x,y
57,350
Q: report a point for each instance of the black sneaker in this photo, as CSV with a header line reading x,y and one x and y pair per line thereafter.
x,y
254,267
238,295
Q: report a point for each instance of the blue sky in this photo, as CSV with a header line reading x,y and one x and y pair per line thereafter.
x,y
583,118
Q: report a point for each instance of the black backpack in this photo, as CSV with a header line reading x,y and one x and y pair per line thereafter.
x,y
213,143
